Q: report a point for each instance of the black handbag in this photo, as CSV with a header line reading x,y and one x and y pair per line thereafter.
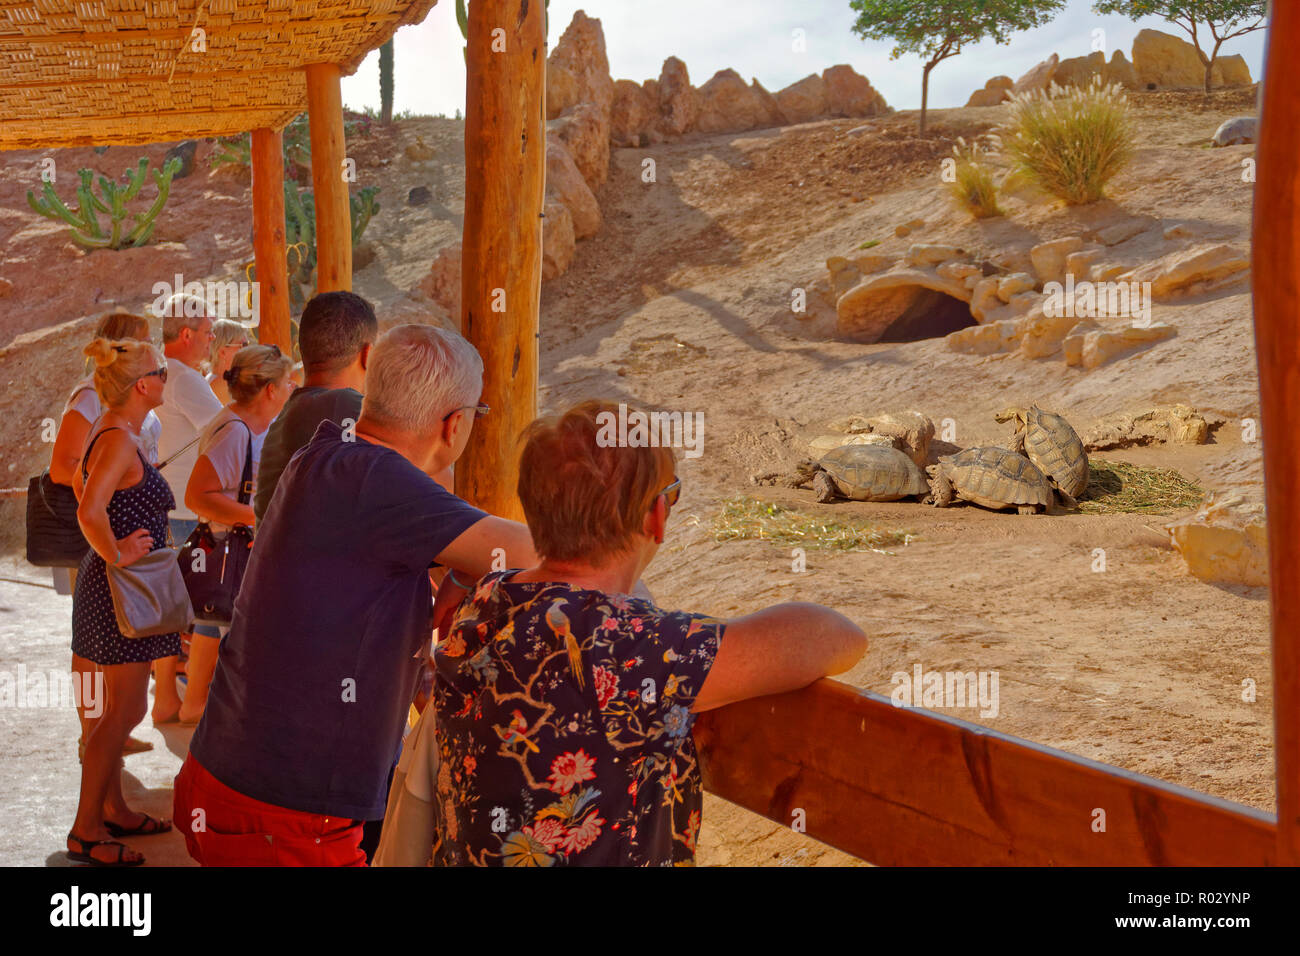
x,y
54,539
213,564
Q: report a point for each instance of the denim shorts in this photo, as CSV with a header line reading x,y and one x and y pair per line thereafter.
x,y
181,529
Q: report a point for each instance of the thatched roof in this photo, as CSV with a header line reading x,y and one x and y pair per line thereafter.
x,y
98,72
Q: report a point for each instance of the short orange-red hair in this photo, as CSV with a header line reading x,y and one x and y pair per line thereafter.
x,y
582,501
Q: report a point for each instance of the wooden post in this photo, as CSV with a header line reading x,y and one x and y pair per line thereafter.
x,y
329,189
1275,279
501,271
268,240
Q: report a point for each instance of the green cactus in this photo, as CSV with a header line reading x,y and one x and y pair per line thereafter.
x,y
233,151
300,231
86,230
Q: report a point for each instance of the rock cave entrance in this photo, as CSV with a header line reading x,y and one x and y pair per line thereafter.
x,y
931,315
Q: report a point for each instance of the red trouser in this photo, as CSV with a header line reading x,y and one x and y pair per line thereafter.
x,y
235,830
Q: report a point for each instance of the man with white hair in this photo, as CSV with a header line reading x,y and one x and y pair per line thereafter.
x,y
188,405
332,623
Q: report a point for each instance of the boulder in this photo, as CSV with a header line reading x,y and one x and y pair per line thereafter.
x,y
586,135
1080,70
984,298
727,104
631,113
561,89
1236,132
1122,231
678,100
958,271
1196,269
1039,78
442,284
1049,257
1232,70
1224,542
992,93
1179,423
904,229
184,151
1072,344
1043,334
557,239
1100,347
803,101
910,431
870,307
1078,264
565,183
1015,283
1002,336
771,110
1186,427
581,53
849,93
1165,61
1120,70
929,254
844,275
870,262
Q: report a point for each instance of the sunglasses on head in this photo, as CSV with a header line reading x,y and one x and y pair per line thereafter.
x,y
479,410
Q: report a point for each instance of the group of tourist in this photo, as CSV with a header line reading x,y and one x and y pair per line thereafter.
x,y
562,696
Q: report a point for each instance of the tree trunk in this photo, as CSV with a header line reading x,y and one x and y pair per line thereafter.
x,y
925,92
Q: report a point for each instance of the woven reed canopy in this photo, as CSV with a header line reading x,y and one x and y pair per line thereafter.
x,y
127,72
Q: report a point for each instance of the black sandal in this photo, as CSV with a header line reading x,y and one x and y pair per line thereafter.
x,y
148,827
83,855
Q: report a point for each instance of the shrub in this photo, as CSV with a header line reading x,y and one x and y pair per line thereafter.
x,y
1071,144
973,185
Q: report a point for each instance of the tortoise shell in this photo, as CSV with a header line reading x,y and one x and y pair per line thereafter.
x,y
1055,448
997,478
873,473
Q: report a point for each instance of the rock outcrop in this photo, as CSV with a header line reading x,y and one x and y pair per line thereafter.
x,y
678,101
992,93
1038,78
1163,61
728,104
580,65
1197,269
1224,542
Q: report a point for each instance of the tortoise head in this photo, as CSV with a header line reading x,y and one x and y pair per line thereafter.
x,y
807,467
1007,414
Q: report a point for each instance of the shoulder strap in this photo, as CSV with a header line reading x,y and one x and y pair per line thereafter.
x,y
246,478
85,456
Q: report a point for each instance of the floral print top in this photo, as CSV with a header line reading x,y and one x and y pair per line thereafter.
x,y
564,728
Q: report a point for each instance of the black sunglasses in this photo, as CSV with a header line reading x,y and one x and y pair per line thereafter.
x,y
479,410
161,372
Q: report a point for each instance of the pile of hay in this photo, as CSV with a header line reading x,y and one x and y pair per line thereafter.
x,y
749,519
1116,487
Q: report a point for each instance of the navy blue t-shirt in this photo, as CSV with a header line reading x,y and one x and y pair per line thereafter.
x,y
314,680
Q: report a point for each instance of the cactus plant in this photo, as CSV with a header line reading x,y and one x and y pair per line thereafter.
x,y
300,231
86,230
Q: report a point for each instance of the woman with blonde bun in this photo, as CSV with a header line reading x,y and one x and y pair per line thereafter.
x,y
80,413
122,510
260,384
229,337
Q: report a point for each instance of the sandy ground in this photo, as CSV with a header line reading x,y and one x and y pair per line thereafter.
x,y
683,301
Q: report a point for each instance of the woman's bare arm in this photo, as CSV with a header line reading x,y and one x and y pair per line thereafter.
x,y
68,443
205,497
778,649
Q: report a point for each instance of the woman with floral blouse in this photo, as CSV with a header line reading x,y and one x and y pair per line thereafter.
x,y
565,697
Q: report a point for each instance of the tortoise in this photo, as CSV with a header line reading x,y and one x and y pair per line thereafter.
x,y
994,477
1050,443
863,473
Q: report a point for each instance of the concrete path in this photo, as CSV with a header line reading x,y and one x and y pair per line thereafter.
x,y
39,772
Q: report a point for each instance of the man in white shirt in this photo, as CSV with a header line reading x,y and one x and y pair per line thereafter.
x,y
188,404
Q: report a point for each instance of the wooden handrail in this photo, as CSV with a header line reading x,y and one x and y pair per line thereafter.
x,y
903,786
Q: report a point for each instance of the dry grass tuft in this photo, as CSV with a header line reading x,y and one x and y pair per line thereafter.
x,y
1116,487
1071,143
973,186
748,519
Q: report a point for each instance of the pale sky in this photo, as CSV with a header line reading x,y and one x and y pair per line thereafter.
x,y
753,37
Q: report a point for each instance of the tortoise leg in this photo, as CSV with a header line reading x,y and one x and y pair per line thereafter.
x,y
941,493
825,488
1067,500
1027,509
1018,441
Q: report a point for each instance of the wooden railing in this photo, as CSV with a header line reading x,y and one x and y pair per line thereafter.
x,y
903,786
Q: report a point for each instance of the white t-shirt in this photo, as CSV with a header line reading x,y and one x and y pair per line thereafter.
x,y
84,400
226,447
188,405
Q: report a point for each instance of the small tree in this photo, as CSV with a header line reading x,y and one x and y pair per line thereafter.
x,y
938,29
1222,19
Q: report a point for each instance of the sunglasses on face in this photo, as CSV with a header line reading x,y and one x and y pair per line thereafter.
x,y
672,492
161,372
479,410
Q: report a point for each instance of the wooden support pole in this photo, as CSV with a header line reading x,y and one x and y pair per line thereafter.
x,y
329,188
501,271
1275,280
268,239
